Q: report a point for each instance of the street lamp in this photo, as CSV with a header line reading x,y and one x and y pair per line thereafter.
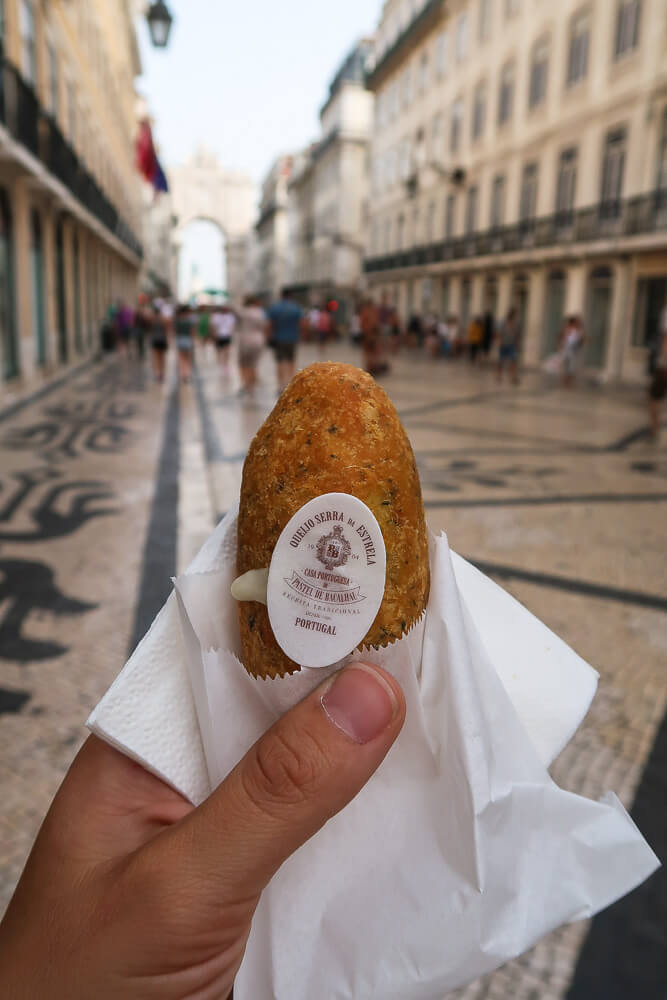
x,y
159,23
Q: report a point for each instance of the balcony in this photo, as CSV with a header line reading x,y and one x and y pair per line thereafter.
x,y
31,126
644,214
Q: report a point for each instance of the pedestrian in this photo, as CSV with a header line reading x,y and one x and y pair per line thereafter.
x,y
475,337
454,334
116,901
572,341
395,331
431,339
252,332
184,327
204,325
142,325
312,324
510,340
324,327
355,328
123,322
285,317
371,340
415,330
222,324
159,341
489,332
658,386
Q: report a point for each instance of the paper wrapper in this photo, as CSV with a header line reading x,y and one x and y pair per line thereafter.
x,y
459,853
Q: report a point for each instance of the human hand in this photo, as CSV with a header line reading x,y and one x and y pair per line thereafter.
x,y
130,892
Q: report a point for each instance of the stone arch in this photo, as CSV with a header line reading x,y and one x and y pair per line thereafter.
x,y
202,189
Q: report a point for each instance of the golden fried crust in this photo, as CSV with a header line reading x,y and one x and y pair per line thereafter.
x,y
333,430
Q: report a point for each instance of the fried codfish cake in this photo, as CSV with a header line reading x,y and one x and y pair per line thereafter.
x,y
333,429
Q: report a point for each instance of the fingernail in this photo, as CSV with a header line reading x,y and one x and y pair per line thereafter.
x,y
360,702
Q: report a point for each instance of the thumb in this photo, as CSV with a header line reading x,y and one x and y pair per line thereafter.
x,y
303,771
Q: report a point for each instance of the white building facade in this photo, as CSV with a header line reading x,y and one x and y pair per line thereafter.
x,y
269,250
520,158
328,193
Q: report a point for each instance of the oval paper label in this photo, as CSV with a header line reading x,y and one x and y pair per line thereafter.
x,y
326,579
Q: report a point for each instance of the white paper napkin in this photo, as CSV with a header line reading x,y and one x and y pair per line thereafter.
x,y
459,853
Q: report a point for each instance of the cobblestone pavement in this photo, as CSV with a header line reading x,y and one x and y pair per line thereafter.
x,y
110,483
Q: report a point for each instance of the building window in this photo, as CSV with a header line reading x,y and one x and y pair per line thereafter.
x,y
462,37
566,186
415,228
650,303
506,94
450,216
27,40
400,232
512,7
471,211
577,63
528,200
54,84
441,54
456,126
407,87
71,112
613,170
422,80
37,286
484,20
627,27
479,111
539,70
429,222
661,179
498,202
436,137
387,236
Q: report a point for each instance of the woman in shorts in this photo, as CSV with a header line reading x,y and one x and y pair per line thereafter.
x,y
222,325
159,343
251,336
183,327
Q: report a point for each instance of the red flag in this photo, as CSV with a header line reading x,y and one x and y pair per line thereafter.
x,y
145,152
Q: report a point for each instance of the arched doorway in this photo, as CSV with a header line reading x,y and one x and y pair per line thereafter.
x,y
520,292
202,259
598,314
37,286
554,312
10,354
490,296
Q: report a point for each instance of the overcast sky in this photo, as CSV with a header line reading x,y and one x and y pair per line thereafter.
x,y
247,78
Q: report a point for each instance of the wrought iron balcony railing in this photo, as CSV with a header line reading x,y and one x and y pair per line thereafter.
x,y
608,220
29,123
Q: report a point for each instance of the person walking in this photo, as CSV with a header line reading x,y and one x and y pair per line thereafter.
x,y
658,386
285,317
572,341
223,324
475,337
159,342
251,336
184,326
142,325
510,340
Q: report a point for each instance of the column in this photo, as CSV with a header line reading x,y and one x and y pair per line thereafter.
x,y
455,293
575,296
477,296
23,275
504,295
535,319
620,321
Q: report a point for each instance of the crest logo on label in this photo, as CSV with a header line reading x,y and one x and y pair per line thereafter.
x,y
333,550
